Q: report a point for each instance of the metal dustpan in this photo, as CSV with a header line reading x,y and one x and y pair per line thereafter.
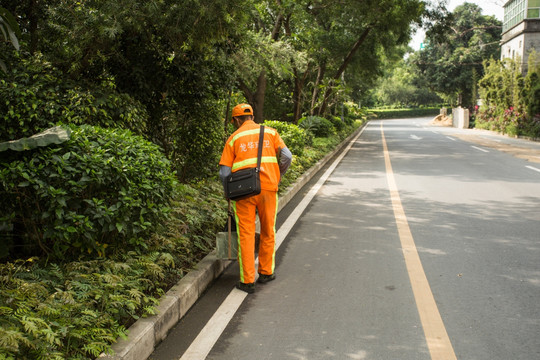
x,y
227,246
227,241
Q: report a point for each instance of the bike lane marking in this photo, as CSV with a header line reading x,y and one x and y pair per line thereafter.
x,y
437,338
209,335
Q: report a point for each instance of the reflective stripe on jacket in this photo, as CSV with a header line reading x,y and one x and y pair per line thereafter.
x,y
241,148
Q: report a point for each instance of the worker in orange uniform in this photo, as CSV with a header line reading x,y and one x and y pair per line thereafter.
x,y
240,152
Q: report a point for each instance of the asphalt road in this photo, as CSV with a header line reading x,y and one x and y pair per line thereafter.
x,y
423,243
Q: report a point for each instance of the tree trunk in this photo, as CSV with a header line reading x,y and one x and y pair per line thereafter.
x,y
342,68
248,94
297,96
298,93
33,19
315,94
258,99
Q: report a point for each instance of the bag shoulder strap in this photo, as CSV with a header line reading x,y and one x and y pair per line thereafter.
x,y
259,154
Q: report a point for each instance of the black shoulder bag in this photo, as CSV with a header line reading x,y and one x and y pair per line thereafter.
x,y
246,182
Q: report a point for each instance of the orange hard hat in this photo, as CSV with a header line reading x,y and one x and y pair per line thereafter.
x,y
242,109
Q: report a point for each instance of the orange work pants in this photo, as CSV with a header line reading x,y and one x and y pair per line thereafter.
x,y
266,205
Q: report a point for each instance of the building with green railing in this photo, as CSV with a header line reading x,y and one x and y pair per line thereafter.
x,y
521,30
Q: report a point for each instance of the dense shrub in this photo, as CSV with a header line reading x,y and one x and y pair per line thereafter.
x,y
293,136
353,112
318,126
35,97
310,124
511,100
101,189
404,113
337,123
76,310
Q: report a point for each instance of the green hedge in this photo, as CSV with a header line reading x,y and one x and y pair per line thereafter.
x,y
292,135
403,113
100,191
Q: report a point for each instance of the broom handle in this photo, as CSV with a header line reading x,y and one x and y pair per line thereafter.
x,y
229,226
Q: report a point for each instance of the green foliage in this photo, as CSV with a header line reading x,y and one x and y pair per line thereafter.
x,y
9,28
326,128
313,153
34,97
337,123
175,73
404,113
292,135
511,101
318,126
457,44
353,112
198,212
533,98
10,32
402,87
102,189
76,310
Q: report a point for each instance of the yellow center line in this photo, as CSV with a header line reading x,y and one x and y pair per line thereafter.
x,y
437,338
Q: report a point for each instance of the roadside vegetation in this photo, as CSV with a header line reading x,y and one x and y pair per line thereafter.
x,y
93,237
100,217
459,66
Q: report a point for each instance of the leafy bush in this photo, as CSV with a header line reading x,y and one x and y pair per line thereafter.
x,y
35,97
72,311
512,102
353,112
76,310
102,189
404,113
320,127
309,123
198,212
293,136
337,123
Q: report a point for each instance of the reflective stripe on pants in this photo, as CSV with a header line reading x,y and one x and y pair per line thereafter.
x,y
266,205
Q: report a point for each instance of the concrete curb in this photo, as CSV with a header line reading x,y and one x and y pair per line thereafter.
x,y
146,333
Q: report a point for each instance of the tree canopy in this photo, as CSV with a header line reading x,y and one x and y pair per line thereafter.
x,y
456,46
174,63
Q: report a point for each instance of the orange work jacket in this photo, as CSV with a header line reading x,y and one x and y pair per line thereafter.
x,y
241,149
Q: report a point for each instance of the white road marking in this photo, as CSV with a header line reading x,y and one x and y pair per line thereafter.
x,y
205,341
451,138
532,168
477,148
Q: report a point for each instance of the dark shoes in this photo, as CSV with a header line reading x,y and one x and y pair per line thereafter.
x,y
266,278
249,288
